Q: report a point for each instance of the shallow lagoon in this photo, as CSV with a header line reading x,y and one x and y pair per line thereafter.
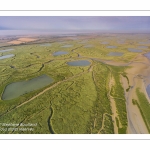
x,y
60,53
111,46
17,89
134,50
104,42
6,50
79,63
143,47
144,42
115,54
67,46
7,56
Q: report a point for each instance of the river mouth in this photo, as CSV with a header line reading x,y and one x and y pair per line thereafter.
x,y
115,54
7,56
79,63
17,89
134,50
60,53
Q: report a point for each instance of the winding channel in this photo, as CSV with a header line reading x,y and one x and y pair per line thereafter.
x,y
49,121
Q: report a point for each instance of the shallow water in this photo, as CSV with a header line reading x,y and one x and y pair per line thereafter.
x,y
143,47
67,45
148,90
111,46
79,63
60,53
121,42
47,44
7,56
17,89
12,66
134,50
6,50
115,54
144,42
147,55
104,42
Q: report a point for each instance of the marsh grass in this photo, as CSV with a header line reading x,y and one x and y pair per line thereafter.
x,y
143,106
78,105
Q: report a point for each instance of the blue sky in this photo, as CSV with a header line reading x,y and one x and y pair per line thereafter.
x,y
76,23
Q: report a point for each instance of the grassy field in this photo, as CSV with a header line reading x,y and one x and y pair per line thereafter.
x,y
102,104
77,102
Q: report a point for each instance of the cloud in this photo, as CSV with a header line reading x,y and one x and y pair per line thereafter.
x,y
81,23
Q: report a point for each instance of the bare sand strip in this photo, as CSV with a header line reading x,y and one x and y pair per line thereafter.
x,y
113,105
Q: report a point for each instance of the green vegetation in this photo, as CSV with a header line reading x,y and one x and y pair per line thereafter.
x,y
124,75
78,100
143,106
134,102
117,92
117,122
102,103
71,110
127,90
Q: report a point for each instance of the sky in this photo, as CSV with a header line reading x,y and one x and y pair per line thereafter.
x,y
62,24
